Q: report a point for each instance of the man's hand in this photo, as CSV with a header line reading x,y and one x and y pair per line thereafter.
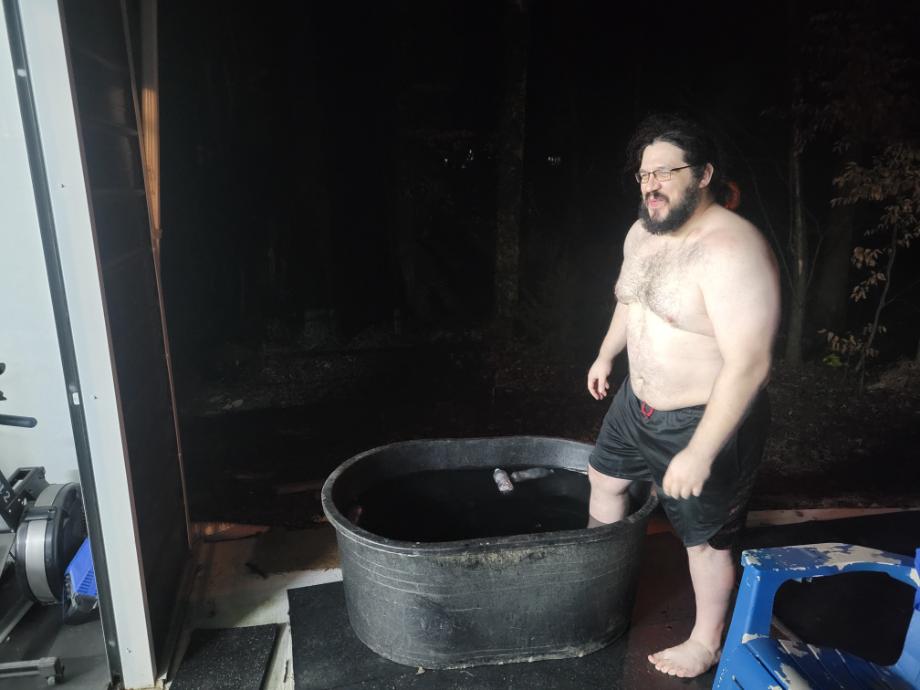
x,y
597,378
686,474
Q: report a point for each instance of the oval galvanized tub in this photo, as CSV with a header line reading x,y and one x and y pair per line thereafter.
x,y
483,601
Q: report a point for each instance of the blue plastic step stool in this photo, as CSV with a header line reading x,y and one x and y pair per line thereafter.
x,y
752,659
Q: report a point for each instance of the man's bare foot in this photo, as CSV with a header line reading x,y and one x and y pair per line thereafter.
x,y
686,660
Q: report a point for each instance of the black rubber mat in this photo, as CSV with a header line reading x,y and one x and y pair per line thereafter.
x,y
327,654
226,659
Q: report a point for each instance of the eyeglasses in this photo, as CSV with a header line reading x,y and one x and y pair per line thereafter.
x,y
642,177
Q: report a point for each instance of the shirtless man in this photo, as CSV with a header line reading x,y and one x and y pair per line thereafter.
x,y
697,310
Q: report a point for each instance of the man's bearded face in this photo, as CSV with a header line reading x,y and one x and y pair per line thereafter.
x,y
673,215
666,205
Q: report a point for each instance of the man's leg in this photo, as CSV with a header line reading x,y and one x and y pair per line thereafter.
x,y
609,498
712,572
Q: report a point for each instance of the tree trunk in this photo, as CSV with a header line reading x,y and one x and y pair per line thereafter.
x,y
879,307
832,292
798,248
511,166
572,164
309,282
799,264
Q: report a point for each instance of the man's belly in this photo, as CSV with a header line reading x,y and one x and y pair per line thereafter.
x,y
670,368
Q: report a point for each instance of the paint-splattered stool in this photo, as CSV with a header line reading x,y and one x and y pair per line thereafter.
x,y
752,659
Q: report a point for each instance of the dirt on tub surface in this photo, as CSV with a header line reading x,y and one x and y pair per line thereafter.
x,y
258,442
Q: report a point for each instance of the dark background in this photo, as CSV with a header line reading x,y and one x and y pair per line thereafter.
x,y
290,134
331,176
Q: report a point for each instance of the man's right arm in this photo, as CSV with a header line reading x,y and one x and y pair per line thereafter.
x,y
615,340
613,344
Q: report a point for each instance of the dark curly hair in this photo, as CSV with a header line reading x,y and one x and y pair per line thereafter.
x,y
698,145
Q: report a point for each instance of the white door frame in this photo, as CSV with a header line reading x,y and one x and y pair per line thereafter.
x,y
47,133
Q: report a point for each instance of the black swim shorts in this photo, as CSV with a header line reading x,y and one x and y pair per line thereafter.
x,y
637,442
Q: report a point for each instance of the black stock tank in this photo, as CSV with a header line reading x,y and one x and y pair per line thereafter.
x,y
442,570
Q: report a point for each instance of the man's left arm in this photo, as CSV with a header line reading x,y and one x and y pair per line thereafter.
x,y
741,293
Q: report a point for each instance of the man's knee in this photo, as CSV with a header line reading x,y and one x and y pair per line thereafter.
x,y
607,485
706,552
703,550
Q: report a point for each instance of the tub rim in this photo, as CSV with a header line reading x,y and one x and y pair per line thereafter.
x,y
345,527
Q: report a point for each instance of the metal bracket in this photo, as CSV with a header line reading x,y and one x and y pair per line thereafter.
x,y
50,668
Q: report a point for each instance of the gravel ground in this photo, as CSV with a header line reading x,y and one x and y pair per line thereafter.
x,y
290,416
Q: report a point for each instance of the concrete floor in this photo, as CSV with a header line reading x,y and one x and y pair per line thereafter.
x,y
80,648
244,582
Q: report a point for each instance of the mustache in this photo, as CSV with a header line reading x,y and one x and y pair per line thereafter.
x,y
656,195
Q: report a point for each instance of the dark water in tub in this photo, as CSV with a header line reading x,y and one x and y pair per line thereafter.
x,y
449,505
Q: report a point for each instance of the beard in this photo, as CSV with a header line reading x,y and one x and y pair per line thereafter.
x,y
677,215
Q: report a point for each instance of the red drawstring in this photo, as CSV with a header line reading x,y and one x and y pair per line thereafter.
x,y
647,410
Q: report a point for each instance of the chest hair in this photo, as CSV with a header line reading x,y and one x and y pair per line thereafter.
x,y
661,279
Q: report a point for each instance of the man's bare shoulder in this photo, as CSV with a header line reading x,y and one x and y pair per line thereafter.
x,y
726,234
739,281
738,267
633,236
